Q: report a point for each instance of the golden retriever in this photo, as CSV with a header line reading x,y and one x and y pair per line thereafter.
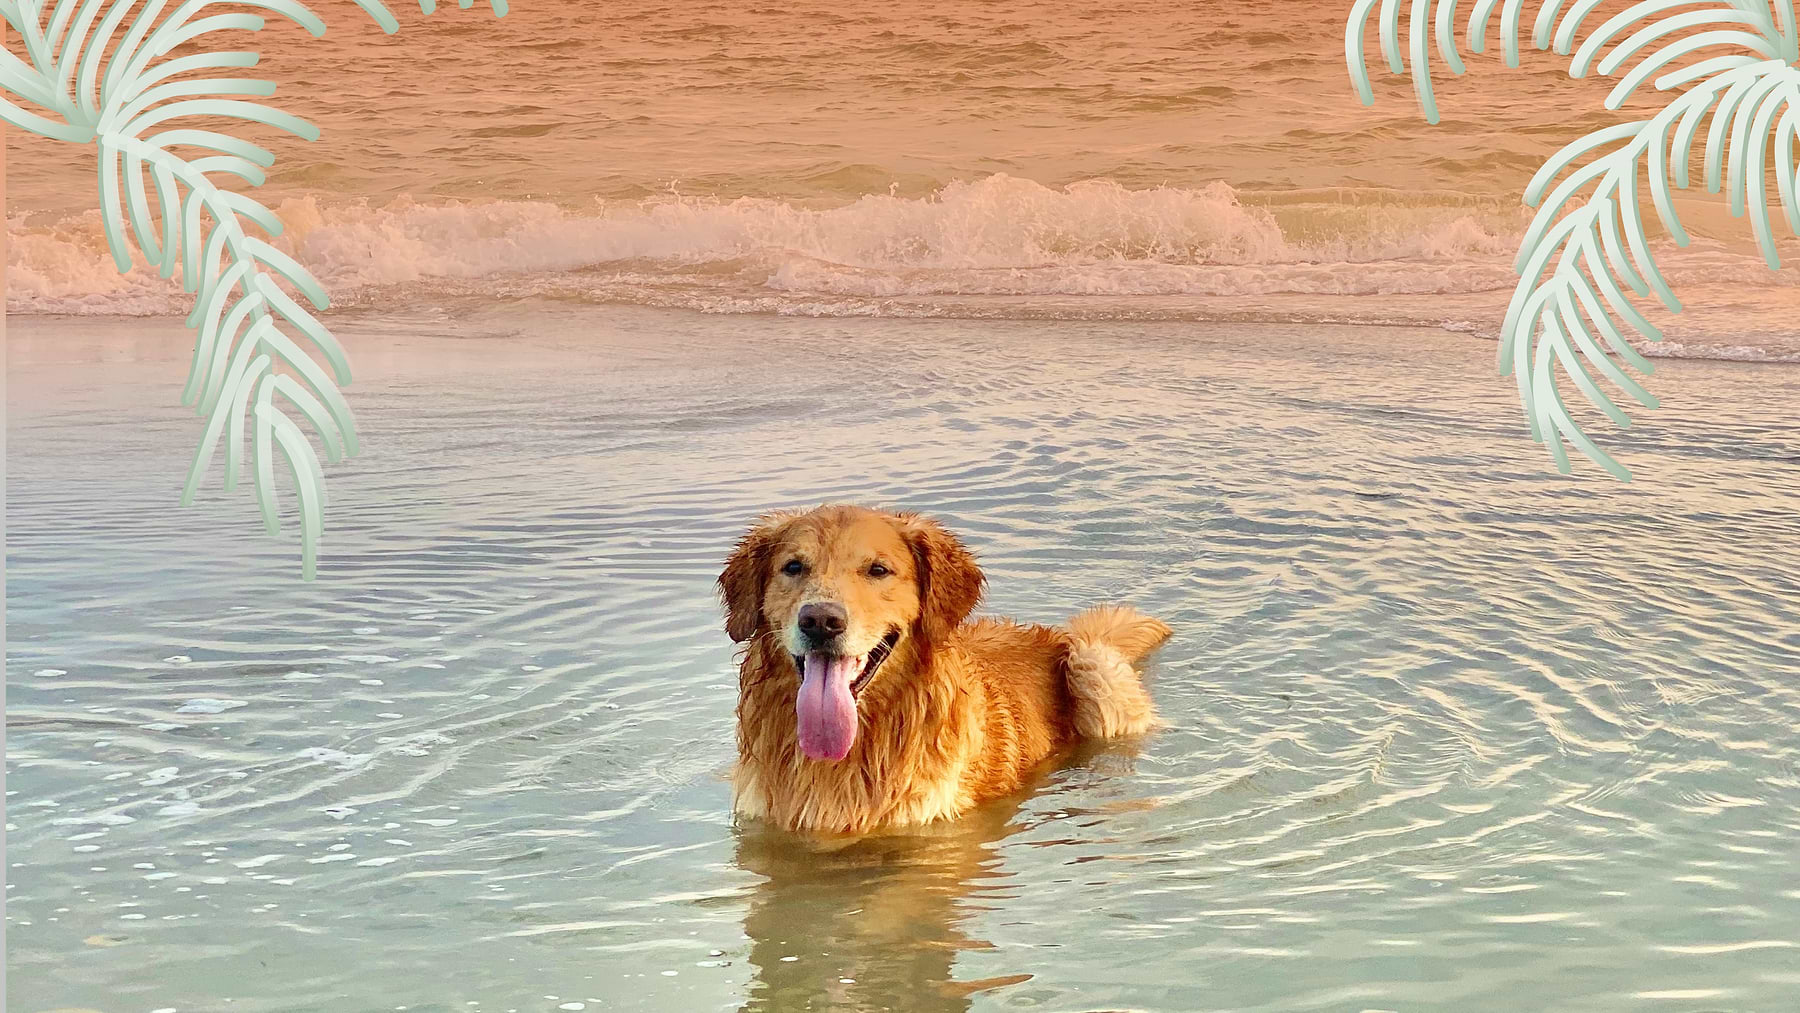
x,y
866,701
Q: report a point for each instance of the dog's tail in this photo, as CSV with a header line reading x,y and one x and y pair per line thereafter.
x,y
1105,645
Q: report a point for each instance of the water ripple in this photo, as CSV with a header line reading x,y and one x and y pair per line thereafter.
x,y
1422,719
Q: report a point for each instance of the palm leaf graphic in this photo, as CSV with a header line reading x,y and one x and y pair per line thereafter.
x,y
101,73
1734,65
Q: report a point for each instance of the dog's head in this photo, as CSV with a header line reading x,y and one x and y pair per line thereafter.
x,y
840,589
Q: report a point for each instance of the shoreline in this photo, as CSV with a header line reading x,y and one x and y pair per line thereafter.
x,y
1669,350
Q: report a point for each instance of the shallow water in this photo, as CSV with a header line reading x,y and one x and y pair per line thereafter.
x,y
1446,730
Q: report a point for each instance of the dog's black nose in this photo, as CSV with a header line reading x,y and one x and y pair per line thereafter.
x,y
822,620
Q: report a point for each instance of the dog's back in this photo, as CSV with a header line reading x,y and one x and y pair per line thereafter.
x,y
1046,687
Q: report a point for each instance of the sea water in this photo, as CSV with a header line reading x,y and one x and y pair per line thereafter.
x,y
1446,730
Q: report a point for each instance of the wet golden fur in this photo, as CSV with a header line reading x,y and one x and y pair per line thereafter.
x,y
959,713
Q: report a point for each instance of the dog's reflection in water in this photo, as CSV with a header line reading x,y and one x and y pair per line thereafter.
x,y
876,923
873,923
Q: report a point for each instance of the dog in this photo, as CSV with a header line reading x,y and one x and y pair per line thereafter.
x,y
867,701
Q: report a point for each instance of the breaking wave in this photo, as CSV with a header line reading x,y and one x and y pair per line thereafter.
x,y
998,246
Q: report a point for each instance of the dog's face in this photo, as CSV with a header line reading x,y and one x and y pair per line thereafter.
x,y
840,589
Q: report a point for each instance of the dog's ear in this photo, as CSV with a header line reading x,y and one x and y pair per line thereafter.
x,y
746,572
950,582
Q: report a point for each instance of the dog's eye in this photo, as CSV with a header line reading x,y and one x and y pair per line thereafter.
x,y
793,568
878,570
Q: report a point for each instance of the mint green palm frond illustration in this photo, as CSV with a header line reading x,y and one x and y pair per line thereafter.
x,y
1733,66
100,72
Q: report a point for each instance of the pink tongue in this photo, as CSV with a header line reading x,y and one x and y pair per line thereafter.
x,y
826,707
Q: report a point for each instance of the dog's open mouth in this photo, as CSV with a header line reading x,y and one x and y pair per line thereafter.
x,y
868,663
877,655
826,704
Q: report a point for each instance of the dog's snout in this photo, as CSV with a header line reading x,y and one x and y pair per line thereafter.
x,y
822,620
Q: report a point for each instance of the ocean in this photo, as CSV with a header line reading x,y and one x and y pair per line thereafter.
x,y
1113,161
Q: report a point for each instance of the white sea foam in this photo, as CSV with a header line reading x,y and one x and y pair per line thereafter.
x,y
337,758
209,705
997,247
998,235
